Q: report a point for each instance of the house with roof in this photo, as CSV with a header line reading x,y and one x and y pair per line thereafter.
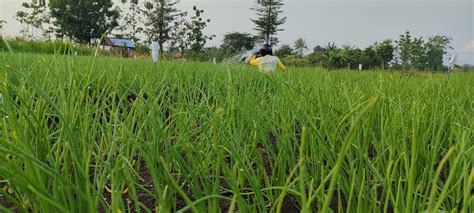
x,y
124,47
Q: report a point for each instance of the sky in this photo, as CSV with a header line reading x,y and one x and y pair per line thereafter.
x,y
345,22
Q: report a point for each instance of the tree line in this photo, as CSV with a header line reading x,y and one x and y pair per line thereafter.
x,y
406,53
88,21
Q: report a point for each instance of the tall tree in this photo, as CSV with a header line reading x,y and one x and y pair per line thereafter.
x,y
418,54
235,42
436,47
404,47
34,18
300,46
268,20
196,26
188,33
160,16
385,51
370,57
332,55
131,21
83,21
179,41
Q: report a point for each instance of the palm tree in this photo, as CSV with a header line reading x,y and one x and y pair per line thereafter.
x,y
349,55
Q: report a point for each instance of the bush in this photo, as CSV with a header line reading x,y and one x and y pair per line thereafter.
x,y
293,61
142,49
317,59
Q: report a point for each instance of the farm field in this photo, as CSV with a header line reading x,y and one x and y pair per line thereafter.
x,y
86,134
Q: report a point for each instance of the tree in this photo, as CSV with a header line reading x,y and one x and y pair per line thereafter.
x,y
130,24
332,55
436,47
187,33
370,57
318,57
411,52
319,49
300,46
195,34
235,42
179,33
418,54
160,16
404,46
345,57
350,56
385,52
268,21
284,51
83,21
36,17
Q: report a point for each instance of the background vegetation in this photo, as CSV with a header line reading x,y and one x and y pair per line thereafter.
x,y
182,32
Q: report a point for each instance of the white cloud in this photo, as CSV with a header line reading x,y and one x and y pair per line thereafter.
x,y
469,47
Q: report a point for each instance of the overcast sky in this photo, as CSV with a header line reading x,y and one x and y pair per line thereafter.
x,y
351,22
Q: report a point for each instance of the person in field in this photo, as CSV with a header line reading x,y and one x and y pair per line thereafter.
x,y
267,62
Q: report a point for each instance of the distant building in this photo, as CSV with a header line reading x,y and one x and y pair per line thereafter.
x,y
117,46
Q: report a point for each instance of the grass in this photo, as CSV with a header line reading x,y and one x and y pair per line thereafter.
x,y
44,47
86,134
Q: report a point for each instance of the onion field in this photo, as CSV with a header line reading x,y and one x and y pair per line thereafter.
x,y
101,134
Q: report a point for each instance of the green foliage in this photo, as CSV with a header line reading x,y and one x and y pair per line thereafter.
x,y
420,54
296,61
370,58
284,50
179,34
131,21
268,20
350,57
319,58
188,35
142,49
236,42
83,21
196,36
411,51
385,52
82,134
404,47
45,47
300,46
340,58
160,16
436,48
219,54
36,17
